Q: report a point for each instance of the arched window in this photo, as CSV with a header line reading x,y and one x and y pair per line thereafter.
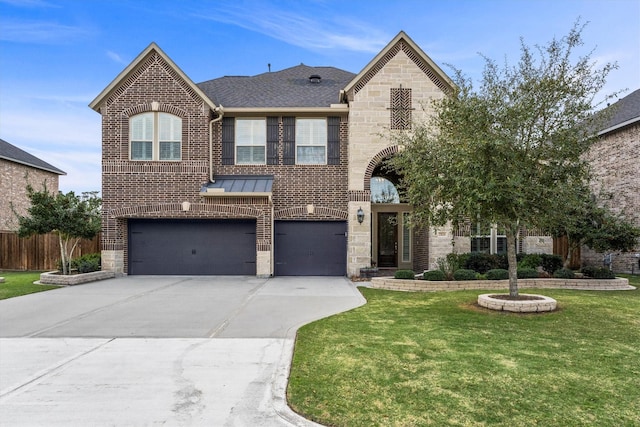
x,y
155,136
383,191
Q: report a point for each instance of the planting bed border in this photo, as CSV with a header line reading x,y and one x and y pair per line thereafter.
x,y
52,278
419,285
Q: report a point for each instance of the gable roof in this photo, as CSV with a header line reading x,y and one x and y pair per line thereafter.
x,y
14,154
291,87
626,111
95,104
401,42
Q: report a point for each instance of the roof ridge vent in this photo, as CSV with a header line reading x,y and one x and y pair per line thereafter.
x,y
315,79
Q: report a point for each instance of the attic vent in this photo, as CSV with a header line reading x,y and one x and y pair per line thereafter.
x,y
315,79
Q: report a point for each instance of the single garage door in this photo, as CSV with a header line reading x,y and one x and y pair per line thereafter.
x,y
192,247
310,248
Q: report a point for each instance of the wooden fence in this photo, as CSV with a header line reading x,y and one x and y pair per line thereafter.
x,y
41,252
561,247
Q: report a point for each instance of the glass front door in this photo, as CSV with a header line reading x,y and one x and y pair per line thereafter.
x,y
387,239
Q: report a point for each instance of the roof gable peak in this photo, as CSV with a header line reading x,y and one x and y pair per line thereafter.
x,y
401,42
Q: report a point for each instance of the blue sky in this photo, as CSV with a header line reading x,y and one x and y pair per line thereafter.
x,y
56,56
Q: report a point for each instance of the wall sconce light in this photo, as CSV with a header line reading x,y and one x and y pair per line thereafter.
x,y
360,215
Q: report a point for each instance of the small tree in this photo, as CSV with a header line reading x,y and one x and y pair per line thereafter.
x,y
69,216
583,222
507,153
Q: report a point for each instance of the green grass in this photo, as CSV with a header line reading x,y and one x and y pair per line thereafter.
x,y
436,359
21,283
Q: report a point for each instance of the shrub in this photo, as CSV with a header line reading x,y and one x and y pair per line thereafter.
x,y
551,263
446,267
405,274
84,264
434,275
482,262
497,274
530,261
527,273
564,273
464,274
598,273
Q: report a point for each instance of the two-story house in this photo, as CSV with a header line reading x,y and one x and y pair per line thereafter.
x,y
282,173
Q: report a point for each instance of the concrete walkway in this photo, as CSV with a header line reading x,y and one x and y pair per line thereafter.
x,y
171,351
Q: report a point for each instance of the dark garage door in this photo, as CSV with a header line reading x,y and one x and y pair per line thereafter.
x,y
192,247
310,248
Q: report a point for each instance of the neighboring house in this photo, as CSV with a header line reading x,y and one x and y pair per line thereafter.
x,y
281,173
18,169
615,160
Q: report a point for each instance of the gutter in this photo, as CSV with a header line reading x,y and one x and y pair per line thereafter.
x,y
220,111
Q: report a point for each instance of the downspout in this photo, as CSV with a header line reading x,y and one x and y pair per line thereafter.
x,y
220,111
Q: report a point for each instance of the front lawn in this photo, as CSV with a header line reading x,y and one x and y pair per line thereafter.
x,y
21,283
436,359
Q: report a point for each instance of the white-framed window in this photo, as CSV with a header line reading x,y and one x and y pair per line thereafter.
x,y
155,136
251,141
311,141
488,238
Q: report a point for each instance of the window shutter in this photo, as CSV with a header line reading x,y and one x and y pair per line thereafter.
x,y
272,140
289,140
228,140
333,140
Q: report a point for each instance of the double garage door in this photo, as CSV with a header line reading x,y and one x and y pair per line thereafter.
x,y
228,247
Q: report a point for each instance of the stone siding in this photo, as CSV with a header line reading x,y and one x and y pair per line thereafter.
x,y
14,178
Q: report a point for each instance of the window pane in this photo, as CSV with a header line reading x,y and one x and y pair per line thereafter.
x,y
406,238
141,127
141,150
248,155
251,139
310,155
169,127
311,141
480,244
169,150
501,246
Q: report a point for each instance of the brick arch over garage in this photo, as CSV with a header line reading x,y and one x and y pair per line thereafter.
x,y
166,209
319,212
375,161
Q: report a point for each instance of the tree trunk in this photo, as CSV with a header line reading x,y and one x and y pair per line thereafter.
x,y
63,253
512,232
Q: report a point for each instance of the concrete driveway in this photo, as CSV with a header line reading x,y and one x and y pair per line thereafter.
x,y
158,350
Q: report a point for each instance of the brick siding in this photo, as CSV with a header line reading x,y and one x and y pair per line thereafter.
x,y
616,169
14,178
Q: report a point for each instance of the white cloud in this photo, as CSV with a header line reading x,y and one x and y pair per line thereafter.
x,y
40,32
299,30
116,58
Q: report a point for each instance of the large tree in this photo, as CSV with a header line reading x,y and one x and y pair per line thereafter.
x,y
69,216
506,153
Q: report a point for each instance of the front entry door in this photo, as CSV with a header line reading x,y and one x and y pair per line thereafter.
x,y
387,239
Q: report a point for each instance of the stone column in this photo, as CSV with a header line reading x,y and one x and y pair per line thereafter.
x,y
359,238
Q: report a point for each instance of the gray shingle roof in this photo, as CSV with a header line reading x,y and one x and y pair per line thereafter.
x,y
625,110
290,87
14,154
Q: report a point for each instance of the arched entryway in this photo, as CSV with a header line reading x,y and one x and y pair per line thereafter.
x,y
391,235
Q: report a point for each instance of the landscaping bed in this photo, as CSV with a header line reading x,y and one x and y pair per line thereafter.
x,y
55,278
390,283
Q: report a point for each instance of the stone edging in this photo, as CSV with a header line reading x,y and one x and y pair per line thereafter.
x,y
538,305
419,285
50,278
1,279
